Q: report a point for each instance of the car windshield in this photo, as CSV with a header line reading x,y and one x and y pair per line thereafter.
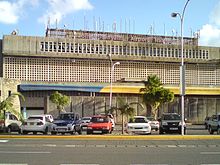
x,y
138,120
172,117
66,116
150,118
86,118
99,120
35,118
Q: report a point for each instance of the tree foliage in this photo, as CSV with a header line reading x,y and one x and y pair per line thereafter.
x,y
124,108
7,105
154,94
60,100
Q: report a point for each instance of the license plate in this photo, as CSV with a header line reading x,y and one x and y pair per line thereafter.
x,y
173,128
97,131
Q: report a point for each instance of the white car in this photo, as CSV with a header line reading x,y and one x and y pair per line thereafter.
x,y
37,123
153,123
138,125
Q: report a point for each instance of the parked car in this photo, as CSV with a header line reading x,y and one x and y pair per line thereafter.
x,y
112,121
214,124
153,123
37,123
10,123
50,117
82,124
138,125
99,124
206,122
65,123
171,123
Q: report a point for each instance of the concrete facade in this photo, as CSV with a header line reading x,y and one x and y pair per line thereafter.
x,y
80,61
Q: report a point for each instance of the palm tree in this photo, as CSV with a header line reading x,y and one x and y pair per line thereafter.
x,y
154,94
7,105
60,100
125,110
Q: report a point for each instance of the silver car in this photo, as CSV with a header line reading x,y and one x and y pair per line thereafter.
x,y
37,123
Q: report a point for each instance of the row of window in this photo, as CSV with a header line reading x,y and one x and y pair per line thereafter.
x,y
87,48
42,69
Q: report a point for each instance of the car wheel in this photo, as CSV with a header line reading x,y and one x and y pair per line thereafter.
x,y
88,132
218,131
24,132
210,130
160,131
35,133
9,129
80,131
46,131
53,133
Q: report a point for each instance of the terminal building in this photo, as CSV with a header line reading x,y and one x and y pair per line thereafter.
x,y
82,64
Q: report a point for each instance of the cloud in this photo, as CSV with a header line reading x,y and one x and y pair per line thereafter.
x,y
12,11
58,9
210,33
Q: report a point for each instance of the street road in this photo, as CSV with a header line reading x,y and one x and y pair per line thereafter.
x,y
108,152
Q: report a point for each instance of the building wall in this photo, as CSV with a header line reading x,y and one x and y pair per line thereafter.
x,y
61,60
7,87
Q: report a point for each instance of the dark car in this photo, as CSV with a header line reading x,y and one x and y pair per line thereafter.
x,y
81,125
170,123
65,123
206,121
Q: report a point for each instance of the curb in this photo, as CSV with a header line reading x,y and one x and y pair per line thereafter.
x,y
116,137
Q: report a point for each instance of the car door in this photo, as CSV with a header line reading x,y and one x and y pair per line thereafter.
x,y
49,124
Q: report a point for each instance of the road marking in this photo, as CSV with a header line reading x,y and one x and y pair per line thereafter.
x,y
148,164
3,141
210,153
50,145
24,152
79,164
209,164
11,164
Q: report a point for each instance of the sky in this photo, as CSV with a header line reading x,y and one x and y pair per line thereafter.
x,y
31,17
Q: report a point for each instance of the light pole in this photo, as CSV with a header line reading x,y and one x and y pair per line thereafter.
x,y
112,75
182,67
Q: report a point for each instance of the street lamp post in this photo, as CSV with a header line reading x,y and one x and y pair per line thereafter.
x,y
111,79
182,67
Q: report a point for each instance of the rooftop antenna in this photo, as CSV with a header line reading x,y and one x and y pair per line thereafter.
x,y
125,25
94,23
173,33
48,23
164,29
114,26
103,26
73,23
121,25
133,26
84,21
129,30
100,25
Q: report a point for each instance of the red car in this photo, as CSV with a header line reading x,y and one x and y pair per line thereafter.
x,y
99,124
